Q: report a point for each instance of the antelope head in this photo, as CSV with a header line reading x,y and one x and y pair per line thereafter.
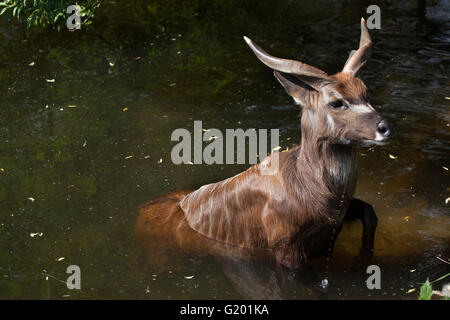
x,y
336,107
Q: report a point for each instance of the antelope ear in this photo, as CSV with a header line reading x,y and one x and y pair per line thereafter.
x,y
294,87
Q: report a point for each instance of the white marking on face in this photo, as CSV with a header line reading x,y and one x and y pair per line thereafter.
x,y
330,122
378,137
361,108
336,96
297,101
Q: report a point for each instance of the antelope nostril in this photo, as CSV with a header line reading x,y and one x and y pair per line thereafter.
x,y
384,128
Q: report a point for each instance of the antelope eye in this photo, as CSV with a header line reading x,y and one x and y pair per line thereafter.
x,y
337,105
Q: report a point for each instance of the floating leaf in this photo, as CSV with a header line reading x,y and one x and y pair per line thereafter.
x,y
411,290
128,157
188,277
40,234
50,80
124,109
426,291
31,199
406,218
160,161
61,259
31,63
392,156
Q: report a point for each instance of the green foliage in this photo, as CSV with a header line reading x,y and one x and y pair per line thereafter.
x,y
47,14
426,291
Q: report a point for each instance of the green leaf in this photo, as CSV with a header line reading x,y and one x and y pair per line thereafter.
x,y
57,16
443,277
426,291
4,9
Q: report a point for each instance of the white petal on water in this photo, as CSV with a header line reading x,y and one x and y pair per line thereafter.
x,y
34,234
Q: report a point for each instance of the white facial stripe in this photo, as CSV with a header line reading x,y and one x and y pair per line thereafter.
x,y
378,137
361,108
336,96
297,101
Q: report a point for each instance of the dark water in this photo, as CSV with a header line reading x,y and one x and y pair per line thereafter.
x,y
76,167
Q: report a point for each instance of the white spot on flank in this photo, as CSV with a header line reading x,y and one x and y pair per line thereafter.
x,y
330,122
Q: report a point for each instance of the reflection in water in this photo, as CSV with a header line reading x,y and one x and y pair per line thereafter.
x,y
75,161
163,231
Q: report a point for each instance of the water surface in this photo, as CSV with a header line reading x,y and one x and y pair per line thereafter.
x,y
75,167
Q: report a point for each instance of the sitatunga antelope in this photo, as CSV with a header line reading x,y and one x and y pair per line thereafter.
x,y
300,210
